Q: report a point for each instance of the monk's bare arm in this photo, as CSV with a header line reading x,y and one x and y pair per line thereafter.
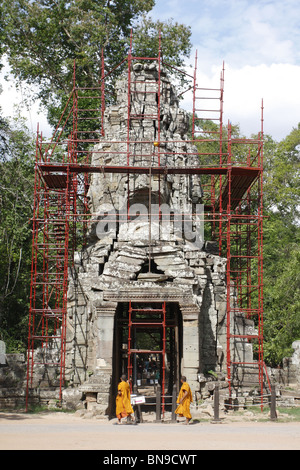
x,y
184,396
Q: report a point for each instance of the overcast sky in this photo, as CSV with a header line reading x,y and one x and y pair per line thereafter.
x,y
259,40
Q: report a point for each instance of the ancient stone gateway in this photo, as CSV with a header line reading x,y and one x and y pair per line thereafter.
x,y
147,288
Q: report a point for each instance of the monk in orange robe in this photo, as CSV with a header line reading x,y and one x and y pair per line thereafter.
x,y
184,400
123,405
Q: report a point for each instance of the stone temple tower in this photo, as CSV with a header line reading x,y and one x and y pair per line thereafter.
x,y
148,288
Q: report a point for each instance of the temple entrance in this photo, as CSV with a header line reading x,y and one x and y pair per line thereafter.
x,y
148,346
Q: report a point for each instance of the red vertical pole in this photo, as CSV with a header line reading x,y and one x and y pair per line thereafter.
x,y
221,113
194,97
102,93
73,157
58,261
221,158
45,248
129,367
158,129
249,264
163,356
260,248
159,97
213,202
228,269
75,114
128,117
64,287
32,306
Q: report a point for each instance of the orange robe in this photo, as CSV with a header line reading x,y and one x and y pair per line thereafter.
x,y
183,409
123,405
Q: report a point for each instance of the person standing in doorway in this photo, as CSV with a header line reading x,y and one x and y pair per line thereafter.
x,y
184,400
123,405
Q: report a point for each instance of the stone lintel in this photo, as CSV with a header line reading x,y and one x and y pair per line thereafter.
x,y
157,294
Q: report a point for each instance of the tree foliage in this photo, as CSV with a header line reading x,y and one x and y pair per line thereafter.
x,y
16,199
282,175
281,246
281,288
43,38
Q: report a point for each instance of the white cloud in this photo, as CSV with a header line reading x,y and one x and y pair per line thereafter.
x,y
245,87
277,85
244,90
245,33
242,32
259,42
13,104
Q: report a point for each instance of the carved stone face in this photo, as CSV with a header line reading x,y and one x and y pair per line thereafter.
x,y
152,133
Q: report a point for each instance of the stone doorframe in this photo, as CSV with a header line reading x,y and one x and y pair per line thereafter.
x,y
190,311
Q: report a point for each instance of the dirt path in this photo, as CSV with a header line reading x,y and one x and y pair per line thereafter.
x,y
61,431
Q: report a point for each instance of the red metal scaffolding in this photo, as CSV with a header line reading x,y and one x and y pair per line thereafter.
x,y
232,180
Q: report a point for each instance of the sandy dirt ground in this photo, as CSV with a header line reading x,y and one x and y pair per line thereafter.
x,y
65,431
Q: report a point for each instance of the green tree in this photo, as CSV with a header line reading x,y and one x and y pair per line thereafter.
x,y
281,288
16,199
282,176
43,38
281,246
281,233
175,40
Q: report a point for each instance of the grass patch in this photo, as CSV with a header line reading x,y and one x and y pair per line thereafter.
x,y
36,409
293,413
283,413
254,413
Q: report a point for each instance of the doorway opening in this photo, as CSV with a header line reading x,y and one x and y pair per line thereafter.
x,y
148,346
